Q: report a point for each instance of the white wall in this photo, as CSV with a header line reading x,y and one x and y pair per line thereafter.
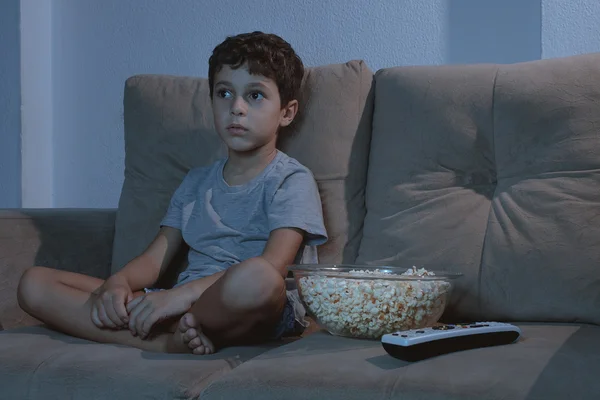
x,y
10,98
570,27
503,31
37,111
96,45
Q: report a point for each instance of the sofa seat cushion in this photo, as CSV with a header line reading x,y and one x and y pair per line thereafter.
x,y
38,363
557,361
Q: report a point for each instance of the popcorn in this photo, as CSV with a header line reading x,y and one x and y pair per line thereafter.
x,y
369,308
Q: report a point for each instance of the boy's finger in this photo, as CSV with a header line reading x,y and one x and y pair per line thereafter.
x,y
111,313
131,324
94,316
133,303
106,322
134,316
149,323
122,311
145,322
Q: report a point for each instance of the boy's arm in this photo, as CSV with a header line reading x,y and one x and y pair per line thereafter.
x,y
282,247
280,251
144,270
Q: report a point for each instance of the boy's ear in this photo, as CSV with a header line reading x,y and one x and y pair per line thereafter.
x,y
288,113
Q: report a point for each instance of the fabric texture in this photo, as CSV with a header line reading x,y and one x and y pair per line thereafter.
x,y
77,240
224,225
38,363
548,362
331,136
492,171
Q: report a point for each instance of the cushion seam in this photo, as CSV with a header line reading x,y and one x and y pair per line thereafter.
x,y
487,223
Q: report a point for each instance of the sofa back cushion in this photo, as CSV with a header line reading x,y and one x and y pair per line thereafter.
x,y
492,171
169,130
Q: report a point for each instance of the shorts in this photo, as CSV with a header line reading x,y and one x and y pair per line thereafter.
x,y
292,321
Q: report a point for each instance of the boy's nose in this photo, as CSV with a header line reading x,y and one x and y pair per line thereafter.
x,y
238,107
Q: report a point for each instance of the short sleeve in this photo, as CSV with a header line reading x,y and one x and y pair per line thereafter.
x,y
174,215
297,204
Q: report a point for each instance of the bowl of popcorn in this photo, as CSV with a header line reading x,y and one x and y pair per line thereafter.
x,y
369,301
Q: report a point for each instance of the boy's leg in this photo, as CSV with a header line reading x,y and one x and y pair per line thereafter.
x,y
243,306
63,300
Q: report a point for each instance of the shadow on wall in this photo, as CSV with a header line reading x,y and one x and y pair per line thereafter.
x,y
506,31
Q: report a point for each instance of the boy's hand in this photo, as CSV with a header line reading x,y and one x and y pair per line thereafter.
x,y
147,310
108,309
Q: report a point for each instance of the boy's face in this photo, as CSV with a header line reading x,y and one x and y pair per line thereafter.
x,y
247,109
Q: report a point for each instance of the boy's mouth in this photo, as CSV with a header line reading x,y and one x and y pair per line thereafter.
x,y
236,129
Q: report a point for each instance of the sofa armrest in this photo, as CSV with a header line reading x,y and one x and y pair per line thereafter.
x,y
78,240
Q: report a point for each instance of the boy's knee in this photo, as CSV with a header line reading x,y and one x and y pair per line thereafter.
x,y
253,285
29,290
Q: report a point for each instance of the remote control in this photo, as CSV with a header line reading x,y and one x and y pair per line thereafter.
x,y
419,344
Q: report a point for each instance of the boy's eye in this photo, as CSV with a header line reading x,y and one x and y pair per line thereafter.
x,y
224,93
256,95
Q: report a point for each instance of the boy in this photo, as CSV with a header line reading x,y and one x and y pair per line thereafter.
x,y
245,218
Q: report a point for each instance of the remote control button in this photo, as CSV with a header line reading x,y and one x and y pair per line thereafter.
x,y
394,334
420,331
443,327
404,335
477,326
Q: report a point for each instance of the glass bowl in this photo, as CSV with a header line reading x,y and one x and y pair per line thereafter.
x,y
367,302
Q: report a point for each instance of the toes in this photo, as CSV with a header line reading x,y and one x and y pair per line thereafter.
x,y
201,346
201,350
206,342
185,322
190,334
182,326
189,320
196,342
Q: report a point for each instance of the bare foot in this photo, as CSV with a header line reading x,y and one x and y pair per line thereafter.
x,y
192,337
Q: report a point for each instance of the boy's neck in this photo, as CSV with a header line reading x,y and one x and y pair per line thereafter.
x,y
243,167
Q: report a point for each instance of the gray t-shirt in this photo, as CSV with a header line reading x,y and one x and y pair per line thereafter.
x,y
225,225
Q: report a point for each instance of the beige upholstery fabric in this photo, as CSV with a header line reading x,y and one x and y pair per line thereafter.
x,y
431,171
77,240
169,129
37,363
331,137
541,259
492,171
549,362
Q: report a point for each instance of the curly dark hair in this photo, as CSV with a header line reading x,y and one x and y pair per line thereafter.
x,y
265,54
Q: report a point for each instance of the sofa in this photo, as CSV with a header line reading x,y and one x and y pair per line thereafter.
x,y
489,170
